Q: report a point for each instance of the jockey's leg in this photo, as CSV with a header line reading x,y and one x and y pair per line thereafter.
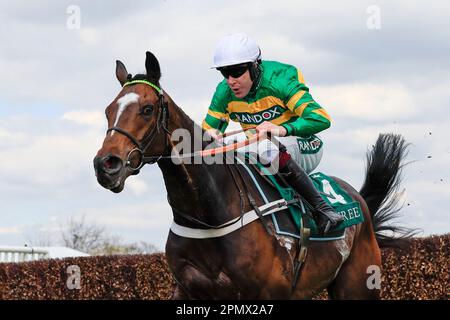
x,y
324,215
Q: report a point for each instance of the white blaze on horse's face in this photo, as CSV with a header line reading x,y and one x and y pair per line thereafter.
x,y
123,103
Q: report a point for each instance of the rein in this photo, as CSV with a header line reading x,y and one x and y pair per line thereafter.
x,y
162,123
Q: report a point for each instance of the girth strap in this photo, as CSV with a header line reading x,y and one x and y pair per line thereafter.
x,y
229,226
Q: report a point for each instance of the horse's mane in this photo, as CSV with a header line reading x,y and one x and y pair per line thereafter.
x,y
142,76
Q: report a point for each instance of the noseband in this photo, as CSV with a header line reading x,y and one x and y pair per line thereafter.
x,y
161,123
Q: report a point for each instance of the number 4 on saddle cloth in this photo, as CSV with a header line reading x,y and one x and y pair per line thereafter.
x,y
332,193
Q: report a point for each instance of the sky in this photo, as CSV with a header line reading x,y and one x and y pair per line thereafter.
x,y
375,66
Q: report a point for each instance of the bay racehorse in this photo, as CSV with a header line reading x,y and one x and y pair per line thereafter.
x,y
250,262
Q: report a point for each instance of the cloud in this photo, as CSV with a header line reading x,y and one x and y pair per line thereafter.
x,y
9,139
370,102
57,82
146,216
49,160
11,230
138,186
82,117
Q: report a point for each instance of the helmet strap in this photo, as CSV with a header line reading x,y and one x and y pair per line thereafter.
x,y
255,68
255,73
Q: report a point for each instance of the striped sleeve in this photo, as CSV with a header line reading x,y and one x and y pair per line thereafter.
x,y
217,116
312,118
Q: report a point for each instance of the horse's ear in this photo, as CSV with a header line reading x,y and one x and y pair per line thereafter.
x,y
121,72
152,67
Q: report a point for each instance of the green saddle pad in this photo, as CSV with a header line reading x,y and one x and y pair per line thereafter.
x,y
332,193
340,200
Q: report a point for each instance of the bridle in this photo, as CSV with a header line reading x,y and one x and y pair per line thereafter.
x,y
161,123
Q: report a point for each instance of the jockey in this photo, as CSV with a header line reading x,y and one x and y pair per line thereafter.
x,y
272,97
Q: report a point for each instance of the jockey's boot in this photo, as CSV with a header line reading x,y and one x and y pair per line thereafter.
x,y
324,215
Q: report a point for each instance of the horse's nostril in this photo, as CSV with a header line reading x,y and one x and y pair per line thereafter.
x,y
107,164
111,164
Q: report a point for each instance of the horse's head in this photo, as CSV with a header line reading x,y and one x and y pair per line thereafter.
x,y
137,126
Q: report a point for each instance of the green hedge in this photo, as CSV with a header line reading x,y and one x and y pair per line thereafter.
x,y
420,273
101,277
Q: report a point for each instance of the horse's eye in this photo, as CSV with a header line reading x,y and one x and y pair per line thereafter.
x,y
147,110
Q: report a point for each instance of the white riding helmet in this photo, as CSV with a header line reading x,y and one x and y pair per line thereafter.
x,y
236,49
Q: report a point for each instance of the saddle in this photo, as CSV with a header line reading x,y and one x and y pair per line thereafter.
x,y
299,212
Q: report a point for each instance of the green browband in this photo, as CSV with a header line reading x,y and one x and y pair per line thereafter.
x,y
145,82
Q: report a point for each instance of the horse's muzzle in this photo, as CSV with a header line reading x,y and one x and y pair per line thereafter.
x,y
107,170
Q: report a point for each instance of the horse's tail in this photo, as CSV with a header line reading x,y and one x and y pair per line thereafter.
x,y
383,178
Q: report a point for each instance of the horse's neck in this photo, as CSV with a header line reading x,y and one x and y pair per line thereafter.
x,y
197,189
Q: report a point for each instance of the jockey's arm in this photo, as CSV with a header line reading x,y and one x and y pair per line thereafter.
x,y
312,118
217,117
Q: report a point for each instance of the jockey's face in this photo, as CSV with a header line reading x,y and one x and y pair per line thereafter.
x,y
239,82
241,86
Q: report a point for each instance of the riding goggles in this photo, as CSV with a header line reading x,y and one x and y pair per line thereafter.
x,y
234,71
